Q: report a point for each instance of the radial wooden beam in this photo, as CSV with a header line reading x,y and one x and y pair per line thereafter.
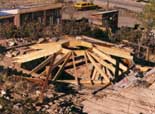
x,y
106,57
42,75
119,52
94,74
87,68
96,41
74,66
48,74
36,55
77,62
99,60
45,45
48,71
41,65
58,62
106,79
62,67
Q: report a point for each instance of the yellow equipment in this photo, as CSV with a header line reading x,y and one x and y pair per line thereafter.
x,y
85,5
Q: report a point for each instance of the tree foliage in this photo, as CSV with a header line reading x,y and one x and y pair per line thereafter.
x,y
127,33
148,14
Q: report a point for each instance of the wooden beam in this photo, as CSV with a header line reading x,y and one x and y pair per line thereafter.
x,y
81,81
99,60
35,80
97,76
58,62
41,65
106,57
119,52
36,55
106,79
93,40
48,71
74,66
70,64
110,74
24,71
94,74
62,67
44,45
87,68
42,75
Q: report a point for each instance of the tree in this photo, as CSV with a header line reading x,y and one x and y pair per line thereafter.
x,y
148,15
148,20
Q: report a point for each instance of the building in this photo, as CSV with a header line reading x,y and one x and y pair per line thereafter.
x,y
47,14
107,19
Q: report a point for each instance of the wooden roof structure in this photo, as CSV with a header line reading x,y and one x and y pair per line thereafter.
x,y
107,60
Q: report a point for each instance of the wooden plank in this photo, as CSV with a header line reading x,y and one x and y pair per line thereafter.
x,y
94,74
36,55
48,45
87,68
106,57
41,65
62,67
99,60
119,52
24,71
58,62
74,66
45,45
70,64
19,46
106,79
48,72
35,80
42,75
93,40
81,81
97,76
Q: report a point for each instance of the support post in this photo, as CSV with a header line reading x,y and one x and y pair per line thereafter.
x,y
17,20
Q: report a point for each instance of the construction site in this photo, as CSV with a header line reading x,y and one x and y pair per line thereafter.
x,y
71,57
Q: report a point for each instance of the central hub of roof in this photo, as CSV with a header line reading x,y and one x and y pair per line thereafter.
x,y
79,47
